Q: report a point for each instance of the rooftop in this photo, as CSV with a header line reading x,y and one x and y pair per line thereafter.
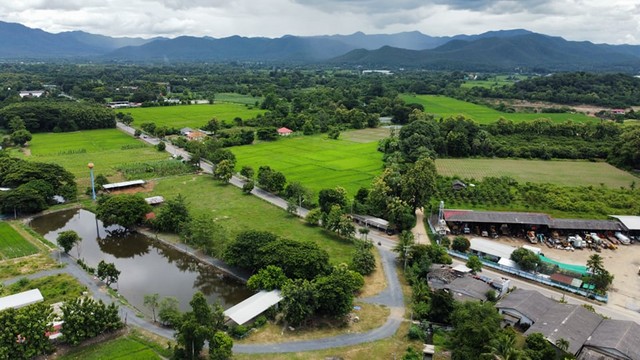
x,y
469,288
629,222
491,247
529,303
498,217
623,336
253,306
577,224
122,184
19,300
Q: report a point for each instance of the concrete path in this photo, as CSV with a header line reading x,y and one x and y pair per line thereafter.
x,y
419,231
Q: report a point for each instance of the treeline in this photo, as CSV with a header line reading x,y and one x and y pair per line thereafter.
x,y
32,185
46,116
611,90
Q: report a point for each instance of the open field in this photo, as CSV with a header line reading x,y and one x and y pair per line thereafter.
x,y
442,106
492,82
12,244
567,173
107,149
366,135
131,346
25,265
237,98
191,115
316,162
237,212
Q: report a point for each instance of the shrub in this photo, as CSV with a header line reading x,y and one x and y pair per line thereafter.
x,y
461,244
415,333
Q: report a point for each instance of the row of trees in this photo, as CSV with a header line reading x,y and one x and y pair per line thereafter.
x,y
57,116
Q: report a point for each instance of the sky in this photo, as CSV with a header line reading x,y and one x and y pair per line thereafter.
x,y
612,21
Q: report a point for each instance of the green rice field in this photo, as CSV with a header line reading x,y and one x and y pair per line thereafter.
x,y
12,244
191,115
442,106
237,98
238,212
129,347
317,162
107,149
567,173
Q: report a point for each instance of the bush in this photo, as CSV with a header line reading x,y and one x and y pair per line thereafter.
x,y
260,321
461,244
161,146
248,187
239,331
416,333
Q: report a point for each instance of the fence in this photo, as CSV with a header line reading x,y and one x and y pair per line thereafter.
x,y
533,277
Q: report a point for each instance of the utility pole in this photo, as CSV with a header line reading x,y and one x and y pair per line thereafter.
x,y
93,186
406,251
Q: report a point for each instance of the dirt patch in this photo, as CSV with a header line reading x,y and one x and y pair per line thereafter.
x,y
26,151
147,187
376,282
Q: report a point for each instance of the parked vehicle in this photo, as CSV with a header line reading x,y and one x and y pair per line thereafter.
x,y
622,238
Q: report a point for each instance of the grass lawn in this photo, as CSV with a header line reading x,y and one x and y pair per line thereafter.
x,y
25,265
55,288
561,172
442,106
107,149
316,162
12,244
191,115
238,212
131,346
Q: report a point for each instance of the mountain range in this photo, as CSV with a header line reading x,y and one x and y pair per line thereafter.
x,y
494,50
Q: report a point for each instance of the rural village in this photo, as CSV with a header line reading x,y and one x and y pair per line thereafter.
x,y
286,210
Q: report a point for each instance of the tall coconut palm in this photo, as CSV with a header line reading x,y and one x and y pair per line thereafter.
x,y
562,344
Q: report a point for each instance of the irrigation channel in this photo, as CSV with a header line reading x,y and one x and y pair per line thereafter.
x,y
147,266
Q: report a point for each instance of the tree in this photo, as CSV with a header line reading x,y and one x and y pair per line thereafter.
x,y
244,251
224,171
271,180
169,311
474,325
152,302
247,187
419,183
220,346
503,347
538,348
173,215
299,301
247,172
333,133
313,217
161,146
460,244
595,263
22,335
85,318
107,272
363,260
207,234
20,137
526,259
292,208
329,197
123,210
562,344
67,240
297,259
626,151
335,292
269,278
197,326
474,264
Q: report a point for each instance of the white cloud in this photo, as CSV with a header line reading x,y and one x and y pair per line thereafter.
x,y
615,21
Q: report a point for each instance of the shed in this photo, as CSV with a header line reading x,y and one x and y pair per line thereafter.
x,y
154,200
588,225
253,306
565,280
496,217
122,185
461,269
484,247
631,223
373,221
458,185
283,131
22,299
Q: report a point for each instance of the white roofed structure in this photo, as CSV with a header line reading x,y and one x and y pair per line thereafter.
x,y
632,223
123,184
253,306
154,200
490,247
22,299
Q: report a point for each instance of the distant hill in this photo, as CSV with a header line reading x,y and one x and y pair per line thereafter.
x,y
234,48
528,50
105,43
19,41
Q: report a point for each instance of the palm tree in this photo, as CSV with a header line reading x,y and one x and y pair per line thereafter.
x,y
503,347
562,344
595,263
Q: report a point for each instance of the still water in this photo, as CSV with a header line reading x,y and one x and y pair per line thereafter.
x,y
147,266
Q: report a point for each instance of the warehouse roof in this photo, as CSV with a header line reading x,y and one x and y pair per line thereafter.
x,y
573,323
529,303
491,247
623,336
629,222
577,224
499,217
122,184
19,300
253,306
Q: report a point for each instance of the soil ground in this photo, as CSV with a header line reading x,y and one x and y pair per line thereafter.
x,y
623,263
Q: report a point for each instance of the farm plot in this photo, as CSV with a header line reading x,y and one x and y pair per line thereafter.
x,y
191,115
12,244
567,173
366,135
316,162
107,149
442,106
237,98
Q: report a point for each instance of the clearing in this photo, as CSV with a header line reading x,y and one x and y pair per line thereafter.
x,y
194,116
107,149
237,98
132,346
442,106
12,244
561,172
238,212
316,161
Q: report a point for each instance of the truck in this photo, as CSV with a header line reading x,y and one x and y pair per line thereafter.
x,y
622,238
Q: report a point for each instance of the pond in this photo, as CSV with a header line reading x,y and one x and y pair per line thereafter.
x,y
147,266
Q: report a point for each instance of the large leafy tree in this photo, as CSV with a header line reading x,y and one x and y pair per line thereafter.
x,y
67,240
197,326
474,325
224,171
173,215
107,272
87,318
419,183
626,151
204,232
244,251
299,301
23,331
327,198
336,291
123,210
297,259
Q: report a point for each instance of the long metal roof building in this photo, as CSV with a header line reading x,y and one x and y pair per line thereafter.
x,y
19,300
253,306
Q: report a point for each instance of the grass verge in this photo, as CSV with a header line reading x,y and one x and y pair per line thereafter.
x,y
55,288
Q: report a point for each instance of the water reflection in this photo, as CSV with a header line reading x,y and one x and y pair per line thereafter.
x,y
147,266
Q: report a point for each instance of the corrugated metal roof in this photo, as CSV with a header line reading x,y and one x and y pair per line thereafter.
x,y
491,247
19,300
629,222
529,303
153,200
578,224
253,306
122,184
621,335
498,217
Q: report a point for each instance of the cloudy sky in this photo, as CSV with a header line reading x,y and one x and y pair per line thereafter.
x,y
613,21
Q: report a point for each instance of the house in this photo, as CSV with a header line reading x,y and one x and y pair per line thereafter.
x,y
283,131
617,111
613,339
196,135
31,93
458,185
186,130
523,307
468,288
